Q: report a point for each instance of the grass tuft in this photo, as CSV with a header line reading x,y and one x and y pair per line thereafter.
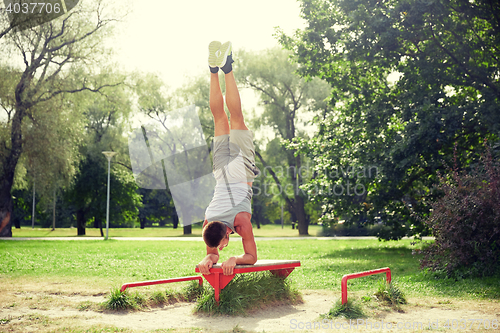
x,y
390,293
350,310
158,298
192,292
247,292
118,300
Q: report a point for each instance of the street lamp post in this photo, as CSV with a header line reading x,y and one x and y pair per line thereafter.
x,y
109,155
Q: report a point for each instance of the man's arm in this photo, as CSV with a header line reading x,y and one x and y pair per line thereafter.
x,y
243,227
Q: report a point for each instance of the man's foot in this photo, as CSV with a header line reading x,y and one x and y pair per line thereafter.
x,y
225,52
213,56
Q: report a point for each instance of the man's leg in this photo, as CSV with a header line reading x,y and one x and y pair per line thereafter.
x,y
233,103
221,125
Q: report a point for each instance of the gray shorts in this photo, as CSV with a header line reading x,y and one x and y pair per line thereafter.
x,y
234,157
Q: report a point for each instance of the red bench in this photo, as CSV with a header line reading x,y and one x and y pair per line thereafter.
x,y
278,267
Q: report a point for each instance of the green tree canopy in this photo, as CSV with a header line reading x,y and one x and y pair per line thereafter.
x,y
285,99
410,78
46,63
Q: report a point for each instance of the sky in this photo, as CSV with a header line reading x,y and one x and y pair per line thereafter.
x,y
171,37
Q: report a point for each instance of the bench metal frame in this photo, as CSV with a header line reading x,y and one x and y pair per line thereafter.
x,y
218,280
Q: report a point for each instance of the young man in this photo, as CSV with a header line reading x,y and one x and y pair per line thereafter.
x,y
234,169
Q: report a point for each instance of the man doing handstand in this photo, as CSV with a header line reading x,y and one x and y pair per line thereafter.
x,y
234,169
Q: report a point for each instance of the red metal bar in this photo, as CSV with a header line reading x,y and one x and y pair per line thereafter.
x,y
346,277
153,282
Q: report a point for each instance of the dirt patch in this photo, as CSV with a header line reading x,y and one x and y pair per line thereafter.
x,y
55,309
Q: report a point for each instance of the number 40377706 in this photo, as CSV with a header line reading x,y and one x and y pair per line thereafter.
x,y
33,8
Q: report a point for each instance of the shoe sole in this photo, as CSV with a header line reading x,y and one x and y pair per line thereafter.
x,y
225,50
213,47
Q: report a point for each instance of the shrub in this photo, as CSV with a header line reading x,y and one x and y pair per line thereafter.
x,y
353,229
466,223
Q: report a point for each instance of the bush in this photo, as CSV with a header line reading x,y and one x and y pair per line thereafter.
x,y
466,223
353,229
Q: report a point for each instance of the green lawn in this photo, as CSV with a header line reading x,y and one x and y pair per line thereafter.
x,y
108,264
269,230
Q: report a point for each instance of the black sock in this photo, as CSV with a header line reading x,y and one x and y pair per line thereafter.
x,y
227,68
214,69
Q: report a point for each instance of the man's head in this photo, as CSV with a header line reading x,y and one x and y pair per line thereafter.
x,y
216,234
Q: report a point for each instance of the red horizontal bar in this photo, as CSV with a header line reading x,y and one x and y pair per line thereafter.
x,y
346,277
153,282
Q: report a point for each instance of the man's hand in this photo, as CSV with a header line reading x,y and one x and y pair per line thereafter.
x,y
205,265
228,266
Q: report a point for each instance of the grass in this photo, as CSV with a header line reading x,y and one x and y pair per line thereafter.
x,y
99,266
247,292
351,310
390,293
268,230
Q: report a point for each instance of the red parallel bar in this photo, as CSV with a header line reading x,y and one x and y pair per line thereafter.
x,y
153,282
346,277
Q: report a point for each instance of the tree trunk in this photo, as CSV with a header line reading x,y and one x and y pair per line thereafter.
x,y
54,213
143,222
5,209
80,222
98,224
187,230
175,220
298,202
8,165
300,212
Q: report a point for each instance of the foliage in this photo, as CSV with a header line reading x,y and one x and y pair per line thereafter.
x,y
405,88
466,222
45,64
247,292
288,101
88,194
390,293
354,229
350,310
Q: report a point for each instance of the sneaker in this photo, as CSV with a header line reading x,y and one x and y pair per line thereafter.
x,y
213,53
225,51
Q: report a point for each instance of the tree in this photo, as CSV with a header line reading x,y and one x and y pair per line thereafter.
x,y
106,118
285,98
56,59
445,55
178,157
